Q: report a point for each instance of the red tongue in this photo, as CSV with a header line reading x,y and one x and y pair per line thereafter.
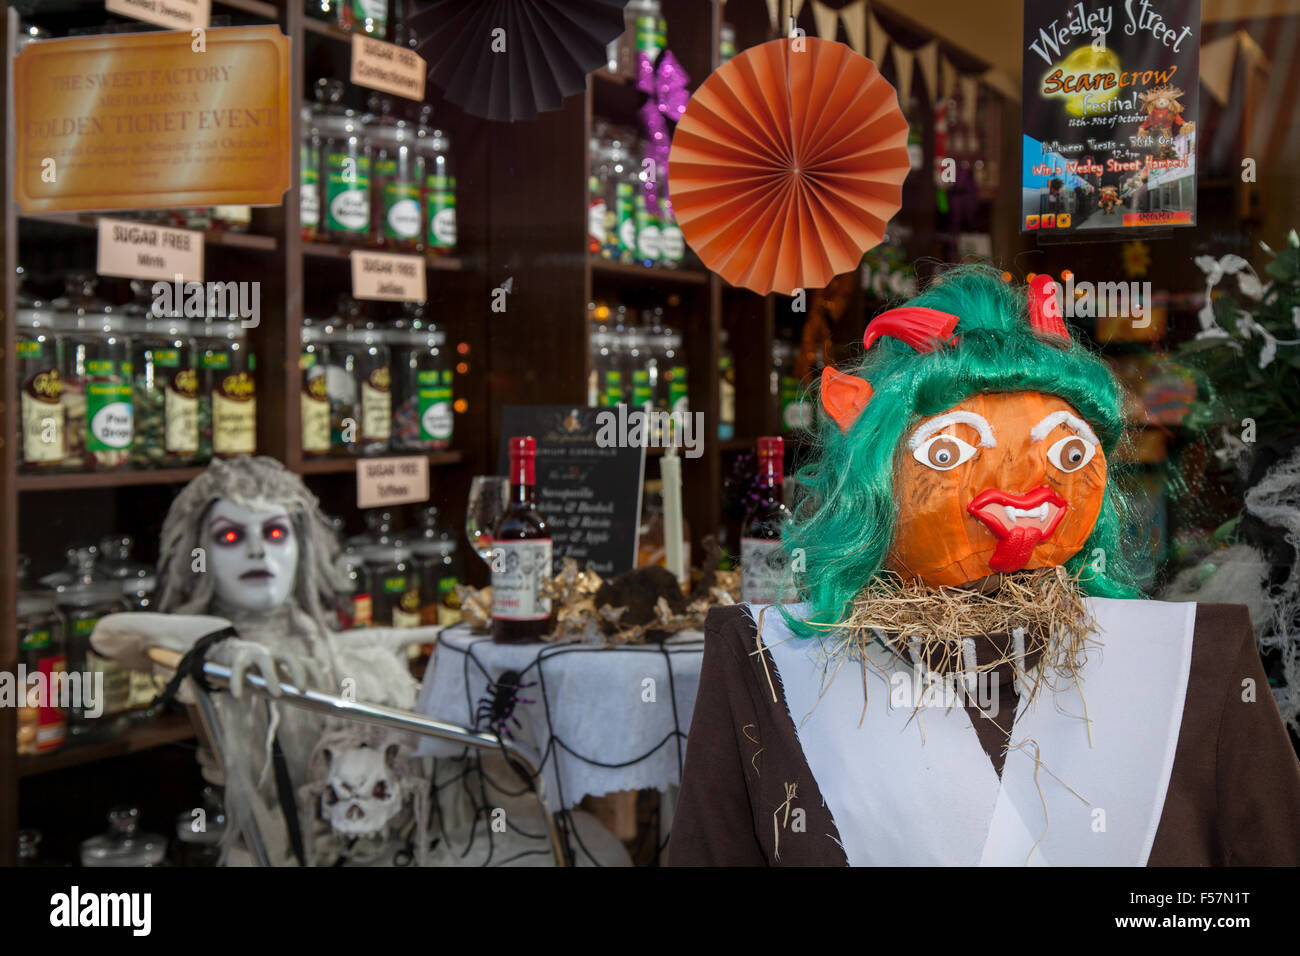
x,y
1014,551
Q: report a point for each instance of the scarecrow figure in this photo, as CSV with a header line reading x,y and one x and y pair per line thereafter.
x,y
1164,119
971,678
1108,199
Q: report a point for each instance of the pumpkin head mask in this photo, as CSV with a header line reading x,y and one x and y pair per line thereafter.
x,y
1001,482
972,438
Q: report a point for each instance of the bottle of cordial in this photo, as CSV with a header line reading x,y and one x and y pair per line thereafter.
x,y
763,560
521,555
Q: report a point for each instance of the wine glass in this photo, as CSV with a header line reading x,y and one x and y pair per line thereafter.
x,y
488,495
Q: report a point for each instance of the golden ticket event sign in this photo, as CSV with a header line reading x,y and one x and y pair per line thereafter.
x,y
172,14
145,121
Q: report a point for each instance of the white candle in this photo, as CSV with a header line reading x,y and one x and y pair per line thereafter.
x,y
670,470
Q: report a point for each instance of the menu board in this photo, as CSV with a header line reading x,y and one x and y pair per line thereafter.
x,y
152,120
589,495
1109,116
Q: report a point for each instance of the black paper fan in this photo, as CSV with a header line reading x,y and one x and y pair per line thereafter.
x,y
549,48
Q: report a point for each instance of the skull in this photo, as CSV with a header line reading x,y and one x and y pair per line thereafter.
x,y
363,792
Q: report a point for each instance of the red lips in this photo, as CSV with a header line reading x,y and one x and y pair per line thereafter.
x,y
1019,522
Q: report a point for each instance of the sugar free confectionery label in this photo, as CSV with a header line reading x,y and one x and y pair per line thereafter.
x,y
392,481
147,120
172,14
134,250
387,277
518,570
387,67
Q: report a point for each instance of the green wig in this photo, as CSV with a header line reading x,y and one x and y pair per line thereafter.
x,y
844,525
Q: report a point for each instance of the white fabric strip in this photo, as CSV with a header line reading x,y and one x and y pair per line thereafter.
x,y
916,791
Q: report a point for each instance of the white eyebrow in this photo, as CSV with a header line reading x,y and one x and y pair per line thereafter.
x,y
1073,422
940,422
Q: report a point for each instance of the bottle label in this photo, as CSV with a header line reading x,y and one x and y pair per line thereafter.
x,y
315,412
434,396
181,410
442,211
406,612
596,222
376,11
649,37
517,586
45,436
763,566
45,722
347,192
727,405
117,679
363,610
402,210
234,415
110,421
377,405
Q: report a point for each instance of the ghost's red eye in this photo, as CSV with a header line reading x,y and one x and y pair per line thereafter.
x,y
276,532
228,536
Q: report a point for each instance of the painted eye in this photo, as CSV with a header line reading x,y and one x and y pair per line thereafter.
x,y
229,536
943,452
1071,453
277,532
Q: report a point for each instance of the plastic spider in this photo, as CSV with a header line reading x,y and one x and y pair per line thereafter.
x,y
497,708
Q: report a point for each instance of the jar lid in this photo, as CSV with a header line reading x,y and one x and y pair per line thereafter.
x,y
35,602
124,844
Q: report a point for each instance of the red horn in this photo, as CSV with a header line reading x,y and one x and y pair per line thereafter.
x,y
1045,310
922,329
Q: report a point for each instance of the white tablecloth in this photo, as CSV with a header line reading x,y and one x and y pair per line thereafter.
x,y
601,719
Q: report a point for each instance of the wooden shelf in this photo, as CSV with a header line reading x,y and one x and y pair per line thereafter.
x,y
167,729
606,267
336,466
89,222
323,29
76,481
328,250
256,7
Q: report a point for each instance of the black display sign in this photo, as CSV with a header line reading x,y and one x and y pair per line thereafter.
x,y
1109,115
588,491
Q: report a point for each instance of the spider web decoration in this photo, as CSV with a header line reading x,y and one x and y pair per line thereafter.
x,y
534,675
788,164
512,59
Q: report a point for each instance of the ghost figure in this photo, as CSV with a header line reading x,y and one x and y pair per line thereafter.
x,y
245,546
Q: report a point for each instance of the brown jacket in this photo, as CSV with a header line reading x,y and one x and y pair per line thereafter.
x,y
1233,795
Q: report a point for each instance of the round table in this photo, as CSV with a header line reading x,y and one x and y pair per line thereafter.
x,y
599,719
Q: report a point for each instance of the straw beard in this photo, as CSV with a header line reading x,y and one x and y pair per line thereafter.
x,y
1044,609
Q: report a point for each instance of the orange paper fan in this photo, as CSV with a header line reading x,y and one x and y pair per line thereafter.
x,y
788,164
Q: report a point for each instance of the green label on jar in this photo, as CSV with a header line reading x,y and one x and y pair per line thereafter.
x,y
434,390
109,416
83,626
309,193
677,399
216,360
97,367
34,641
402,210
28,349
442,210
625,218
166,358
613,393
641,387
347,193
394,585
